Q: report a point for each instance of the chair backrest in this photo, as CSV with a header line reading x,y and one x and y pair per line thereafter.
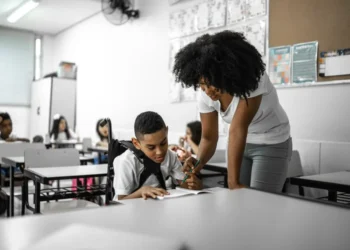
x,y
219,156
295,168
87,143
38,158
17,149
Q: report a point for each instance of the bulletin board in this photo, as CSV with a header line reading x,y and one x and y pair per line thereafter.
x,y
299,21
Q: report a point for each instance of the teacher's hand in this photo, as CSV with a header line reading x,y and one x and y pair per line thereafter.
x,y
189,164
234,184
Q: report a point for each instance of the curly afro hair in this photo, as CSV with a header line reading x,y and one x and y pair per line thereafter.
x,y
225,60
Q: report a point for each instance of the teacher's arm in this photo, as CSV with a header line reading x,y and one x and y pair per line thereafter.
x,y
208,142
238,131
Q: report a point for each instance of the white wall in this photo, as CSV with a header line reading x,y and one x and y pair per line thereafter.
x,y
318,113
47,50
122,70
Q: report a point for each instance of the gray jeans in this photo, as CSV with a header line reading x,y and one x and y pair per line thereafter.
x,y
265,167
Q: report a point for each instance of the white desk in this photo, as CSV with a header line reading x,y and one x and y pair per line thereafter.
x,y
240,219
19,160
45,175
333,182
58,173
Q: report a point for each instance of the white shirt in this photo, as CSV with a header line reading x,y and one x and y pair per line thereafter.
x,y
62,136
128,168
270,124
12,136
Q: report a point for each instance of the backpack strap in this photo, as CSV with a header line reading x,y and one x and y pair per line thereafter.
x,y
150,167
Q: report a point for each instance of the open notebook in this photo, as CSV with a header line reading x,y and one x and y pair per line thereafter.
x,y
178,192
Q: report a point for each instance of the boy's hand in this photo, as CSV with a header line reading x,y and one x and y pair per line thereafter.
x,y
148,191
10,140
193,182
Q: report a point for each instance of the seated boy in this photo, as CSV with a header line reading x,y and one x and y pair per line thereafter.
x,y
152,139
6,130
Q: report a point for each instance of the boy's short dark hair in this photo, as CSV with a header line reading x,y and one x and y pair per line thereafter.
x,y
148,123
5,116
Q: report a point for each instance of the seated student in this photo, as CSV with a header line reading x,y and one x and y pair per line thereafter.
x,y
193,137
189,143
60,130
152,139
6,130
102,133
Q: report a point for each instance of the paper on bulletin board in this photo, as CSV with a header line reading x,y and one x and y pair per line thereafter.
x,y
256,35
304,62
175,46
334,63
201,19
255,8
176,23
235,11
280,64
238,29
217,13
188,27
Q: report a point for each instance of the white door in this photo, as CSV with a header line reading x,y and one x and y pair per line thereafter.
x,y
40,107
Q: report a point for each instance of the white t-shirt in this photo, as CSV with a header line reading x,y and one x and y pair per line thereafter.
x,y
12,136
128,169
270,124
62,136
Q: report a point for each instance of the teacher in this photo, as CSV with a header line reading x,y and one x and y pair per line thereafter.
x,y
232,82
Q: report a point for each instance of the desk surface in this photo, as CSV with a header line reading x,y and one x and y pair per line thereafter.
x,y
217,164
240,219
68,172
13,160
337,181
98,149
336,177
20,159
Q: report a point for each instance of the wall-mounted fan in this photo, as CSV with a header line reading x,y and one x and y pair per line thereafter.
x,y
119,12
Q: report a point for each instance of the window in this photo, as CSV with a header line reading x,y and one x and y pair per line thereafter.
x,y
16,66
38,57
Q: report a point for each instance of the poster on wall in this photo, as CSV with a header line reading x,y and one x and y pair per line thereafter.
x,y
280,62
188,27
256,35
304,62
255,8
201,19
239,29
235,11
217,13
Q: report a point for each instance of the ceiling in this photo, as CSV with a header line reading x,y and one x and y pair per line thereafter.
x,y
51,16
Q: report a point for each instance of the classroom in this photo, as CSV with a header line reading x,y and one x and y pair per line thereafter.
x,y
174,124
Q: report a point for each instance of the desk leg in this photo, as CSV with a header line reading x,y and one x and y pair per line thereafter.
x,y
99,158
332,195
225,181
24,194
301,191
12,184
37,197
